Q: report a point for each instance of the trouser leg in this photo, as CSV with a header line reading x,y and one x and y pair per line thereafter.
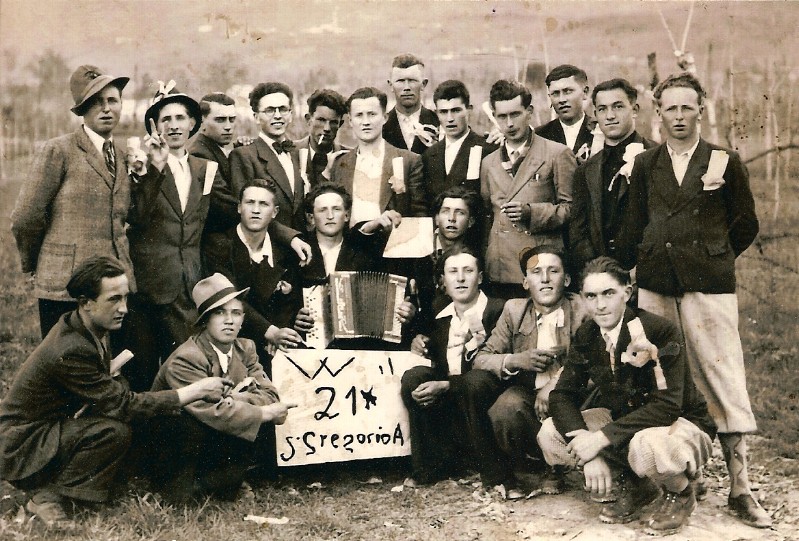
x,y
515,422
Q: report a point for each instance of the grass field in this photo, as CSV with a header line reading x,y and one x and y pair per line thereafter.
x,y
349,506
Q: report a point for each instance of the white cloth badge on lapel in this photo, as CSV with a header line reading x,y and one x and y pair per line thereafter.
x,y
398,175
598,142
475,157
713,179
210,173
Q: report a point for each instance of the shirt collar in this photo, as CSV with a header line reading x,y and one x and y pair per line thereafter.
x,y
614,332
457,142
478,308
574,127
268,140
689,152
224,358
413,116
557,315
182,162
96,139
381,150
523,146
258,254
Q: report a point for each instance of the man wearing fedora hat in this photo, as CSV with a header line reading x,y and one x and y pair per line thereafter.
x,y
208,449
76,198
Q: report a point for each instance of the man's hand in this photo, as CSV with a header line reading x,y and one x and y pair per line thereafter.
x,y
517,212
532,360
542,399
405,311
276,413
208,389
244,140
302,249
428,392
419,345
598,477
585,445
304,321
331,157
495,137
283,339
136,161
386,221
157,149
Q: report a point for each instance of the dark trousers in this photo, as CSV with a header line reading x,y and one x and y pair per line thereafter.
x,y
51,311
516,423
90,452
188,459
457,425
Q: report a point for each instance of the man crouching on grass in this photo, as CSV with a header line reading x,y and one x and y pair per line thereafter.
x,y
65,421
647,427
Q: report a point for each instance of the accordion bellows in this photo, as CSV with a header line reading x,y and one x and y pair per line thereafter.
x,y
355,305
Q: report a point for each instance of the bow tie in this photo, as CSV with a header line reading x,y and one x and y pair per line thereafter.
x,y
283,146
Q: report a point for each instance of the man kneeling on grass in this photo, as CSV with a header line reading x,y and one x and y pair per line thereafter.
x,y
647,427
208,449
64,423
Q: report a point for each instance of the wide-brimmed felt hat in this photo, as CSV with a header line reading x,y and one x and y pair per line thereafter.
x,y
214,291
86,81
167,93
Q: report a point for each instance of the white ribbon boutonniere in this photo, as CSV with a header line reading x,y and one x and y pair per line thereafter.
x,y
283,287
632,150
477,331
640,351
583,153
427,133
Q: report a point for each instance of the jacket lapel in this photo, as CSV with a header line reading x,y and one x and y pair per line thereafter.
x,y
346,169
273,167
532,161
392,129
197,168
95,159
170,191
385,188
584,136
692,184
461,163
593,177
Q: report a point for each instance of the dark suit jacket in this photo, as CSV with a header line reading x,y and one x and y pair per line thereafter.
x,y
304,143
631,393
358,253
685,238
69,208
165,242
64,373
258,160
409,203
586,234
437,180
393,133
553,131
263,305
439,337
222,214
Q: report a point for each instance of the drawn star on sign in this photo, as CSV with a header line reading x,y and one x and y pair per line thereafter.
x,y
369,398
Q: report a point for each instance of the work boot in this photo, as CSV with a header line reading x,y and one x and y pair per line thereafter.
x,y
632,494
746,508
49,510
553,481
673,513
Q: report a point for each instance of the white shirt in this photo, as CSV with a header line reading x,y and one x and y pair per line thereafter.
x,y
548,325
366,183
679,162
571,132
459,330
283,157
258,254
182,175
613,335
224,358
96,139
451,149
408,125
330,256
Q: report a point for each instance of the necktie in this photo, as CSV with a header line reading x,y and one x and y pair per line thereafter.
x,y
283,146
225,362
611,349
318,165
110,160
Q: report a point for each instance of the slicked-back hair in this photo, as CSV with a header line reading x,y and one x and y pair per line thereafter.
x,y
470,197
214,97
616,84
86,282
605,264
368,92
451,90
323,188
525,256
264,89
454,250
266,184
564,71
506,90
327,98
683,80
406,60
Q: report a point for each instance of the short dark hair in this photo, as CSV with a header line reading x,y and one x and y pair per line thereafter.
x,y
264,89
564,71
506,90
683,80
214,97
616,84
459,191
86,281
526,254
368,92
327,187
406,60
266,184
457,249
327,98
451,90
605,264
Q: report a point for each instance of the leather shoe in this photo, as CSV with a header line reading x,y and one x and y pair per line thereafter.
x,y
632,495
673,513
746,508
50,512
553,481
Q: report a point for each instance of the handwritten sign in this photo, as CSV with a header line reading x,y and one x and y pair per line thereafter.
x,y
349,405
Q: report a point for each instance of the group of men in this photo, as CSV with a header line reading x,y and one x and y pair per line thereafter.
x,y
215,241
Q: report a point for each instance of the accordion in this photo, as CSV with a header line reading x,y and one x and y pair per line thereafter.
x,y
355,305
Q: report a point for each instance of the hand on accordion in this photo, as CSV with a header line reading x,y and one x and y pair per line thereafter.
x,y
406,311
